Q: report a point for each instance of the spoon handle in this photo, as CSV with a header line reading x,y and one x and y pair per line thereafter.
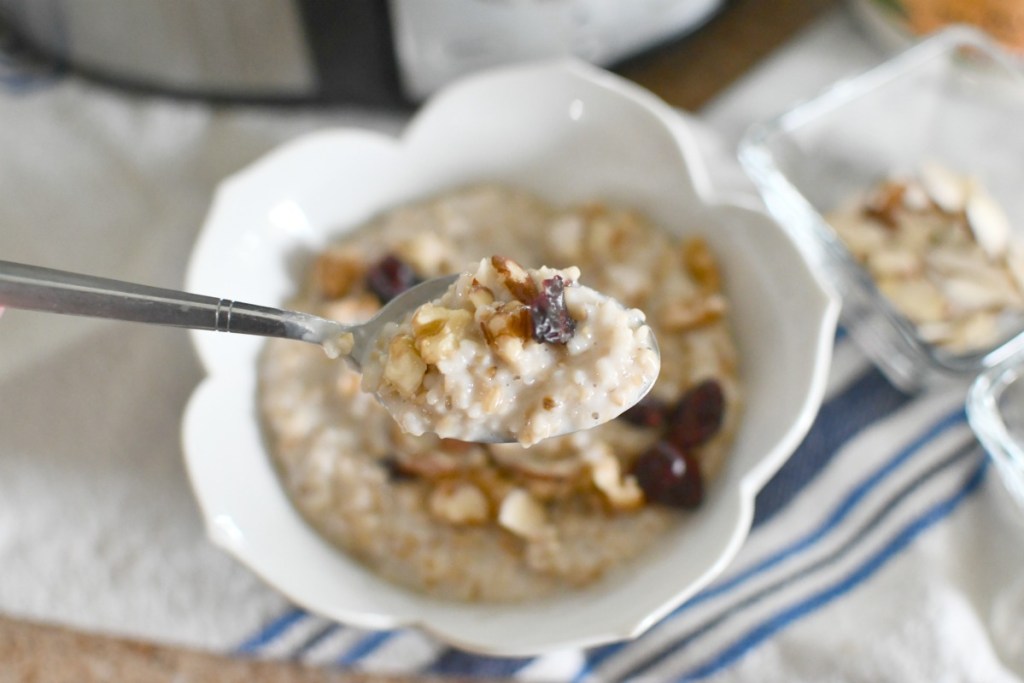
x,y
56,291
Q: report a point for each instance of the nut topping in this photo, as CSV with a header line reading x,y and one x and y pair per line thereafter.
x,y
404,367
459,503
521,514
515,278
988,221
946,257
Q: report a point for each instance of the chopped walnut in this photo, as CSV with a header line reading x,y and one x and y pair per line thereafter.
x,y
437,331
693,312
515,278
459,503
336,270
521,514
404,368
508,319
701,265
481,297
622,492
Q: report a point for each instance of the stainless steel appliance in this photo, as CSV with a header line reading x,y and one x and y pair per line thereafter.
x,y
371,51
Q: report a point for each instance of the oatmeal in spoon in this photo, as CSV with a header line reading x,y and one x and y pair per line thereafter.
x,y
510,354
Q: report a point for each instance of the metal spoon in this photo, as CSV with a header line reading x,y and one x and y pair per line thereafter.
x,y
56,291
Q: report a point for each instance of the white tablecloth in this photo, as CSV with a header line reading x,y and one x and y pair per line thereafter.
x,y
883,551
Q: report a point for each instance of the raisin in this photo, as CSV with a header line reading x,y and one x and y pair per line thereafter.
x,y
698,415
552,323
390,277
394,469
648,412
669,476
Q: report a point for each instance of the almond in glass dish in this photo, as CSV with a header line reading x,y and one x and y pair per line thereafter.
x,y
941,249
504,522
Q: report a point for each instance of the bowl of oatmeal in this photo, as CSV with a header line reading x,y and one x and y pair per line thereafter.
x,y
902,183
566,171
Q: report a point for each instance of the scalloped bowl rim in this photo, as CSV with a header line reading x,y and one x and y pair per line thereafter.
x,y
259,213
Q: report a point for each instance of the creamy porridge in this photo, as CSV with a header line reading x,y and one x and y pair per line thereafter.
x,y
510,353
942,251
502,522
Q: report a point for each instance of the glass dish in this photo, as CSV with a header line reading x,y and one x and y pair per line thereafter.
x,y
995,411
954,98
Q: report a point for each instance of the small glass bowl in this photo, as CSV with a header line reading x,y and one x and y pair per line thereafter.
x,y
956,98
995,411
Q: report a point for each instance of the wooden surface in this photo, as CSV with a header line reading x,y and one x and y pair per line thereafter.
x,y
686,73
689,72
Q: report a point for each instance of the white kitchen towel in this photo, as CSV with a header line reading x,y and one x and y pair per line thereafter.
x,y
883,551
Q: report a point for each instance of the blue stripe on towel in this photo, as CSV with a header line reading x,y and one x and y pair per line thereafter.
x,y
838,513
821,444
314,640
454,662
960,454
365,646
271,631
865,401
841,511
817,600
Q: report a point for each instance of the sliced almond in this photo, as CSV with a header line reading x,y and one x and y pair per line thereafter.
x,y
947,189
988,221
915,198
972,295
860,236
917,298
975,332
894,262
1015,264
952,261
939,332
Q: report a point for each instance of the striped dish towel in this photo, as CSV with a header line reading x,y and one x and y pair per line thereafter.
x,y
879,553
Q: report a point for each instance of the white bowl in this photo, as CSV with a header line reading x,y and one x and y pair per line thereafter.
x,y
568,132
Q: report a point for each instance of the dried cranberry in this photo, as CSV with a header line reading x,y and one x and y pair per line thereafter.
x,y
551,320
649,412
669,476
698,415
390,277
